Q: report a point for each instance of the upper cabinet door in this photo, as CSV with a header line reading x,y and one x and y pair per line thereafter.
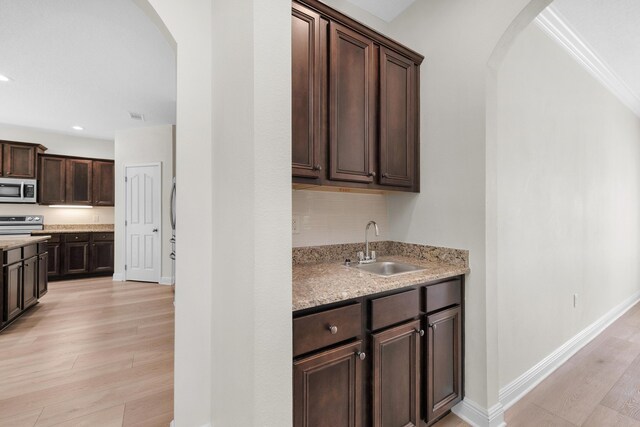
x,y
351,105
79,181
397,119
51,183
103,183
19,161
305,92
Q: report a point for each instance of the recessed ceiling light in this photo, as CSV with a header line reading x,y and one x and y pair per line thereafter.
x,y
4,78
77,128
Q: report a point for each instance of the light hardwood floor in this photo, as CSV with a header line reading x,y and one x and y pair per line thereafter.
x,y
598,387
92,353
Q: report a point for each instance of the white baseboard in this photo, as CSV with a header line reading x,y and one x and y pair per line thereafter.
x,y
478,416
165,280
515,390
118,277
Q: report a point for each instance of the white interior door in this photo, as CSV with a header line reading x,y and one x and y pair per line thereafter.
x,y
143,222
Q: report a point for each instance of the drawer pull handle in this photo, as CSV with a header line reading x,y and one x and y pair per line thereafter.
x,y
361,355
333,329
420,332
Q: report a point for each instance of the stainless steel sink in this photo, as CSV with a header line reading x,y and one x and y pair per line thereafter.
x,y
388,268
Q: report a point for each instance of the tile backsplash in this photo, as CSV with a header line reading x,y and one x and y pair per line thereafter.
x,y
326,218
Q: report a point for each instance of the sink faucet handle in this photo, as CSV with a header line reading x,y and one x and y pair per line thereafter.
x,y
360,256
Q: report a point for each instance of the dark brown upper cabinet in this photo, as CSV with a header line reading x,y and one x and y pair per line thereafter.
x,y
19,159
305,87
397,119
103,183
52,183
355,103
351,105
76,181
79,182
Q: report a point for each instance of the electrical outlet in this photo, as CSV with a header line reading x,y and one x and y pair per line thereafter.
x,y
575,300
295,224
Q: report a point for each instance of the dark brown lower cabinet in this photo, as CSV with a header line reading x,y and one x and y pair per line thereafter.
x,y
76,258
43,277
444,371
396,376
30,282
13,291
413,375
102,257
327,388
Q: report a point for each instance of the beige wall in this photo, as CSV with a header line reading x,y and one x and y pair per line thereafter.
x,y
568,201
143,146
70,145
330,218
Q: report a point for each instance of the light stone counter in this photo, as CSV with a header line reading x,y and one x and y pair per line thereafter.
x,y
12,242
320,283
74,228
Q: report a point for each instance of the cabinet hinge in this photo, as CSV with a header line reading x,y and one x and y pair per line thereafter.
x,y
126,223
125,267
126,179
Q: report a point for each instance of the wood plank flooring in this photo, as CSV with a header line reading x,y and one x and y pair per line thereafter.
x,y
92,353
598,387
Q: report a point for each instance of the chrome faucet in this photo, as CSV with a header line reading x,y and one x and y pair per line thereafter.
x,y
368,258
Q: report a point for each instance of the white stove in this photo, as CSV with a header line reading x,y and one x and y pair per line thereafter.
x,y
20,224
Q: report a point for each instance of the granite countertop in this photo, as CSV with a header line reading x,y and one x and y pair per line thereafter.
x,y
12,242
74,228
319,283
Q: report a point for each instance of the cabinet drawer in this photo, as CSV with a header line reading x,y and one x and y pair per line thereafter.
x,y
102,237
55,238
322,329
76,237
443,295
393,309
13,255
30,251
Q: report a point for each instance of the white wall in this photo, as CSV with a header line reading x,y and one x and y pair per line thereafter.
x,y
59,143
140,146
457,39
233,291
70,145
330,218
568,201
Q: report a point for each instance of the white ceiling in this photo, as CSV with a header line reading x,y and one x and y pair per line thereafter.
x,y
86,63
387,10
611,31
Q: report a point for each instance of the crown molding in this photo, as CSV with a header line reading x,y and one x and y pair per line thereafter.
x,y
555,25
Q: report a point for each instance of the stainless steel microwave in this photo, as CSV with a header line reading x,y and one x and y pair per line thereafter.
x,y
16,190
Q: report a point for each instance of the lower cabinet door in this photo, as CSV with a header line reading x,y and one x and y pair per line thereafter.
x,y
327,388
43,277
30,282
444,362
396,376
13,290
53,260
76,258
102,257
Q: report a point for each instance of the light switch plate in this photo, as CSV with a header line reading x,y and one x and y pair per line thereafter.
x,y
295,224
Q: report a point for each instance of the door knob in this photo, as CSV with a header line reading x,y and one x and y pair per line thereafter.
x,y
155,230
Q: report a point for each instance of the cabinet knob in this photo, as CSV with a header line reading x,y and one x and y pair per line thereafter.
x,y
317,167
361,355
333,329
420,332
433,326
385,175
372,174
